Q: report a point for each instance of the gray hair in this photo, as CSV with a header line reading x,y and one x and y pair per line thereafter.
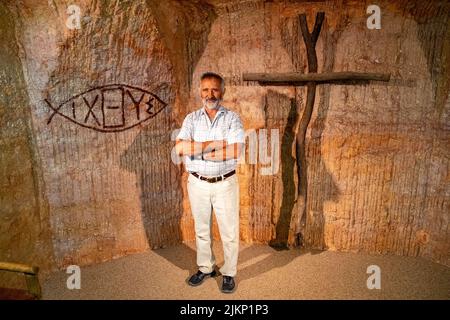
x,y
208,75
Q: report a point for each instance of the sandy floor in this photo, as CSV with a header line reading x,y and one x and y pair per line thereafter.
x,y
263,273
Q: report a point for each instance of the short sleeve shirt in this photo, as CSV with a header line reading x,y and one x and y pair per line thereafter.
x,y
198,127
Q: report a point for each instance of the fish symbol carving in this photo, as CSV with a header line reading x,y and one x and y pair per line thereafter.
x,y
109,108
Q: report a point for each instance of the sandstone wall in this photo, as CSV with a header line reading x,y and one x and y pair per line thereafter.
x,y
98,181
25,234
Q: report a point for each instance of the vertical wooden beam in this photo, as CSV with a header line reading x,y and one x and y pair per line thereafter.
x,y
310,40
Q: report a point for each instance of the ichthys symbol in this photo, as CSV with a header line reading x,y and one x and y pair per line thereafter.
x,y
109,108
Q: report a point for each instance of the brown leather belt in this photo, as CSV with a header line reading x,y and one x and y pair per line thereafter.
x,y
214,179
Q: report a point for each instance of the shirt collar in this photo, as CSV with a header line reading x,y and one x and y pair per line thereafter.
x,y
220,110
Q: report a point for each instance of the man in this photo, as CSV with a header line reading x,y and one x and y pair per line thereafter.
x,y
211,139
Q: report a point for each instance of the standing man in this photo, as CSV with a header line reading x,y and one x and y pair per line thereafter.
x,y
211,139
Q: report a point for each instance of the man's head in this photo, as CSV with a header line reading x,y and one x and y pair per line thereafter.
x,y
212,89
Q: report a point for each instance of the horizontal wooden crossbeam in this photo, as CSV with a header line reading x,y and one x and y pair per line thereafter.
x,y
299,78
16,267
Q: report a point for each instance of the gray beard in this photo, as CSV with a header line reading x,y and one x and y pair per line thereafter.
x,y
211,106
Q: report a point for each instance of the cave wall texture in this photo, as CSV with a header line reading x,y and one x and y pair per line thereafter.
x,y
81,185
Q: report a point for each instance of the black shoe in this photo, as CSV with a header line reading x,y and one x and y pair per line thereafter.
x,y
197,279
228,284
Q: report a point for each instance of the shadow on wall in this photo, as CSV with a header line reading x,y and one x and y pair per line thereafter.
x,y
320,182
288,163
149,156
159,181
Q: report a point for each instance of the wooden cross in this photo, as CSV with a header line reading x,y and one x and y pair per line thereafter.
x,y
311,79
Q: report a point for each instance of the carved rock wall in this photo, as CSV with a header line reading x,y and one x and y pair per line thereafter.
x,y
88,116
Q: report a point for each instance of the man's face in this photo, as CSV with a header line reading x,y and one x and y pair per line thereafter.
x,y
211,92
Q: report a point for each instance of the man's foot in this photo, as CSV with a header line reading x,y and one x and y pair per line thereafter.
x,y
197,279
228,284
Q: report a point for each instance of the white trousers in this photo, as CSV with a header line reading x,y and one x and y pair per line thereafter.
x,y
223,197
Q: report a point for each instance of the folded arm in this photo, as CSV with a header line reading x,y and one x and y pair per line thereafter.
x,y
192,148
214,150
230,151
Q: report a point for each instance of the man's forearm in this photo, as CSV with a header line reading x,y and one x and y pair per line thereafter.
x,y
188,148
231,151
192,148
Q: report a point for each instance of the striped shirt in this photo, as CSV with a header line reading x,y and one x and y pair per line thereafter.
x,y
197,126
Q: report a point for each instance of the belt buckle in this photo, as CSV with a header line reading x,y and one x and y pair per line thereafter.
x,y
212,179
